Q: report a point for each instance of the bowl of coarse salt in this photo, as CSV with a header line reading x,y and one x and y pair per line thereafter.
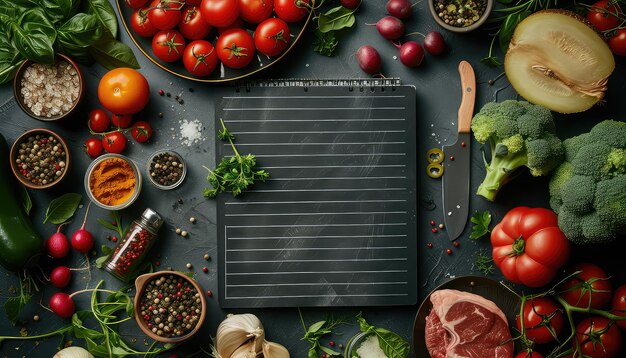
x,y
49,92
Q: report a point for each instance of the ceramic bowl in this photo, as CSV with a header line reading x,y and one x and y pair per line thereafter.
x,y
140,286
15,152
474,26
180,160
17,88
133,196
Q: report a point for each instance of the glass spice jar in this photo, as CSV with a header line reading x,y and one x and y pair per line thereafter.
x,y
132,249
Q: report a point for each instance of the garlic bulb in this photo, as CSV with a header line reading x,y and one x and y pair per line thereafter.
x,y
274,350
237,330
73,352
245,351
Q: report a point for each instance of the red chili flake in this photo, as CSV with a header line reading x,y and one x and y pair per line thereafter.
x,y
114,239
432,223
456,244
449,252
429,245
205,270
331,343
451,158
209,293
157,264
463,144
434,230
161,92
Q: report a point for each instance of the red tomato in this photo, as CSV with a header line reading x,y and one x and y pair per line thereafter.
x,y
99,120
121,120
235,48
93,147
123,91
168,45
598,338
602,16
135,4
592,279
140,23
528,246
165,14
192,26
200,58
255,11
114,142
219,13
272,37
193,2
238,24
541,316
291,10
142,131
617,43
529,355
618,305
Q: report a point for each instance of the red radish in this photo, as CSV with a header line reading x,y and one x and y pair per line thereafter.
x,y
434,43
57,245
350,4
369,59
411,54
60,276
390,27
82,240
402,9
62,304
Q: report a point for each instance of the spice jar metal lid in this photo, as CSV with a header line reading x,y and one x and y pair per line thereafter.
x,y
152,218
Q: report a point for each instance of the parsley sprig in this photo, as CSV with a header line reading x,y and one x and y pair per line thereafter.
x,y
233,174
480,227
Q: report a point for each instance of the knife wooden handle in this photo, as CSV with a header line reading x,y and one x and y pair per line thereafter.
x,y
468,85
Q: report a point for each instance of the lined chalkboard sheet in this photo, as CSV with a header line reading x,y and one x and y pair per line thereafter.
x,y
335,225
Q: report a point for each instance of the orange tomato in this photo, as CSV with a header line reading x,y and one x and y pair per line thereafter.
x,y
123,91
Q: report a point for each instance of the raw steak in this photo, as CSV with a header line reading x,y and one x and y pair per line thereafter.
x,y
465,325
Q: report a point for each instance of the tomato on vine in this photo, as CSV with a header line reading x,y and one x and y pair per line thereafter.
x,y
114,142
93,147
200,58
590,288
140,23
272,37
531,354
604,15
192,25
617,43
168,45
618,305
121,120
291,10
141,132
598,337
135,4
99,120
235,48
219,13
165,14
543,320
255,11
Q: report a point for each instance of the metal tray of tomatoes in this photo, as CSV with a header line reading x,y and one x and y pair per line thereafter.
x,y
133,12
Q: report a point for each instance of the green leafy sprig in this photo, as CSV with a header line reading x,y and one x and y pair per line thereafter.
x,y
328,23
14,305
480,224
484,264
391,343
316,331
233,174
62,208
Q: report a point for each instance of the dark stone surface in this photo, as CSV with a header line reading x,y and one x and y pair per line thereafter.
x,y
438,96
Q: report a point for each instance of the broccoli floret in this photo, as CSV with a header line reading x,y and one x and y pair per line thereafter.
x,y
588,190
519,134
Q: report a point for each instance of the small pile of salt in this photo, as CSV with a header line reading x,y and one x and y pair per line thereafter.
x,y
190,132
370,348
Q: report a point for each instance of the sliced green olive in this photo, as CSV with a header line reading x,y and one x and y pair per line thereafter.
x,y
434,170
435,155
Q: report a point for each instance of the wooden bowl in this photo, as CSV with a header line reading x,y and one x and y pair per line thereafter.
x,y
17,87
140,286
14,152
472,27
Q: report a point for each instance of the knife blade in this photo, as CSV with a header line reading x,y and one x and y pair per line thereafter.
x,y
456,174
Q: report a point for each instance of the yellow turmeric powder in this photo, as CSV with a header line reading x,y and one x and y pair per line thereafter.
x,y
112,181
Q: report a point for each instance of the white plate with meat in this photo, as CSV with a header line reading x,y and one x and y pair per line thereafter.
x,y
469,316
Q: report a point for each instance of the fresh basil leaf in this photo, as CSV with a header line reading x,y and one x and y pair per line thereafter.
x,y
103,10
59,10
392,344
101,260
316,326
335,19
34,45
62,208
37,20
10,60
111,53
508,26
363,325
81,31
27,203
325,43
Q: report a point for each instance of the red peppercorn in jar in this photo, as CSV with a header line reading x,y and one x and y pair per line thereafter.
x,y
132,249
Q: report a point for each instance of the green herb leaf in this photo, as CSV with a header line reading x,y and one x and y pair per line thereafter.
x,y
508,26
27,203
392,344
329,351
59,10
325,43
491,61
81,31
316,326
484,264
62,208
336,18
103,10
480,225
111,53
14,305
33,36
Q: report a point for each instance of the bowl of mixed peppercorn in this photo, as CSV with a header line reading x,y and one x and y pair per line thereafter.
x,y
40,158
460,15
166,169
169,306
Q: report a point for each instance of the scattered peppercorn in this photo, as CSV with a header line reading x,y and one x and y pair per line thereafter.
x,y
456,244
166,169
491,82
205,270
161,92
157,264
434,230
168,94
442,226
432,223
429,245
207,257
184,233
331,343
36,318
40,159
178,231
451,158
160,115
190,89
114,239
462,144
340,346
460,13
209,293
189,265
192,220
448,251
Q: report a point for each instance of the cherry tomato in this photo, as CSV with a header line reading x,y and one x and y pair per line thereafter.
x,y
168,45
255,11
529,355
99,120
219,13
291,10
114,142
123,91
602,16
192,26
93,147
592,278
121,120
618,305
617,43
193,2
598,337
140,23
238,24
541,317
235,48
272,37
200,58
142,131
135,4
165,14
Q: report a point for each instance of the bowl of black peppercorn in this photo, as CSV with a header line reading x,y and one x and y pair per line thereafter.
x,y
166,169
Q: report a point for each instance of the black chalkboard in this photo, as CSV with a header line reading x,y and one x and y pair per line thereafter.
x,y
335,225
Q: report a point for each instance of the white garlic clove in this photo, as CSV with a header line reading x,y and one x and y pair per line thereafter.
x,y
237,330
245,351
73,352
274,350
